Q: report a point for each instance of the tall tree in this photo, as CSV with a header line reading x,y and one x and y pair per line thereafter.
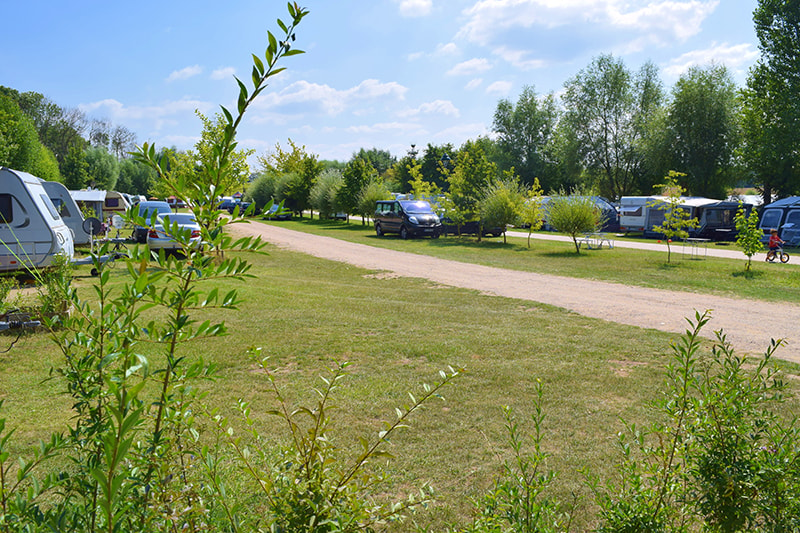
x,y
471,176
704,131
102,168
607,109
381,160
357,175
524,134
771,114
304,169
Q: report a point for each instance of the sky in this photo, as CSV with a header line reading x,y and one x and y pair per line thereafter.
x,y
382,74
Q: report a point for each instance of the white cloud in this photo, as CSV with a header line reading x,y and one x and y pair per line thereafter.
x,y
469,67
185,73
313,97
501,88
735,57
439,107
118,112
382,127
415,8
461,133
474,84
662,21
519,58
223,73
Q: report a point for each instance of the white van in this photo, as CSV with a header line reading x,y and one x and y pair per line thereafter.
x,y
32,232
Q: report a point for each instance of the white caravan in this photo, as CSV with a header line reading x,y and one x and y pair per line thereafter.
x,y
68,209
31,231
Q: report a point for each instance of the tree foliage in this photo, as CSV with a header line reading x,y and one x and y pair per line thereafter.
x,y
502,203
525,132
677,220
771,114
748,234
575,213
607,110
703,130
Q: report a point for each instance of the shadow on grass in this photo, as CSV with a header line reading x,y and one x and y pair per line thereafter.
x,y
747,274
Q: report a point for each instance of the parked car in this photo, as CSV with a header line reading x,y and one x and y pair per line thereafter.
x,y
408,218
273,213
146,210
160,236
226,203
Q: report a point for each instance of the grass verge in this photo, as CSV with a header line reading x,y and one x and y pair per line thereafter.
x,y
397,333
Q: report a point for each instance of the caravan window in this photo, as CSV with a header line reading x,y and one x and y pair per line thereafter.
x,y
771,218
50,206
112,202
6,213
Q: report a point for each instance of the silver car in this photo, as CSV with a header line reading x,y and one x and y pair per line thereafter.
x,y
159,237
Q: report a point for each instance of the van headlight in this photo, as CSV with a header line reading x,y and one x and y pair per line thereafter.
x,y
436,219
413,220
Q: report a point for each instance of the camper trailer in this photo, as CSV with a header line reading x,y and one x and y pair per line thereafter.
x,y
715,217
31,231
90,201
784,216
67,209
103,204
115,203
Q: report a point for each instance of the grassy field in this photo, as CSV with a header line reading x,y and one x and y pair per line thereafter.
x,y
306,313
724,277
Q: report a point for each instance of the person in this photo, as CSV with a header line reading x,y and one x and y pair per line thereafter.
x,y
774,244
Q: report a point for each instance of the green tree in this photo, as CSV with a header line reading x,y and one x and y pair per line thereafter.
x,y
236,177
574,214
324,194
748,234
607,109
74,169
357,174
532,212
703,130
433,170
503,203
374,191
420,188
677,221
134,177
304,169
524,135
472,174
771,114
381,160
102,168
20,148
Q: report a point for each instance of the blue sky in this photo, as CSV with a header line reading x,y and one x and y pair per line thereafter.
x,y
376,73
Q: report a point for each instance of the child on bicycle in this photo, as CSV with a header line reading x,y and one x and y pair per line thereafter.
x,y
775,242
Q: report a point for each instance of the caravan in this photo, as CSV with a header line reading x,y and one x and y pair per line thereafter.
x,y
784,216
68,209
715,217
31,231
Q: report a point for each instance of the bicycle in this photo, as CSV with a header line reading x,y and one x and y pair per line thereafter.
x,y
778,253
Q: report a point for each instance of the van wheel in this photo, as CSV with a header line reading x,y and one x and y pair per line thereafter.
x,y
378,230
403,232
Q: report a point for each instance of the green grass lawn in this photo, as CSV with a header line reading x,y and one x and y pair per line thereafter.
x,y
306,313
724,277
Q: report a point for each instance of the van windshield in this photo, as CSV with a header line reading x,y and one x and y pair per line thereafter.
x,y
417,207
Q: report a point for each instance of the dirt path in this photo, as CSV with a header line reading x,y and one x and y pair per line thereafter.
x,y
749,324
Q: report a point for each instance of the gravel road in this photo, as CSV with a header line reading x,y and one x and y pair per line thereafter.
x,y
749,324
